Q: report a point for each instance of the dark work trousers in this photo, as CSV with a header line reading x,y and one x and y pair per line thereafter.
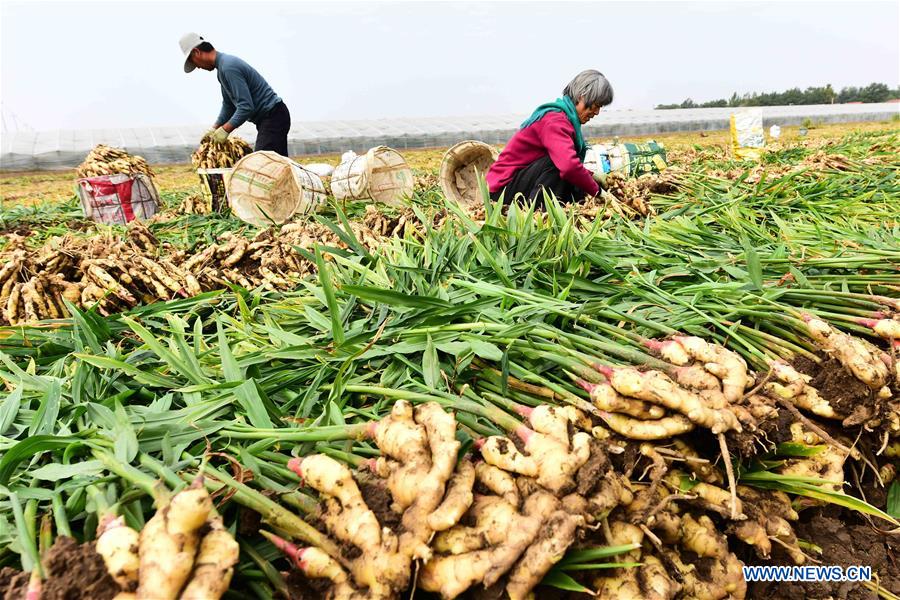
x,y
272,130
531,181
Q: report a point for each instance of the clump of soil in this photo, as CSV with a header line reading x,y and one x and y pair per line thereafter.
x,y
850,397
76,571
769,433
592,471
778,429
843,543
72,571
249,522
13,583
17,230
378,499
843,391
301,587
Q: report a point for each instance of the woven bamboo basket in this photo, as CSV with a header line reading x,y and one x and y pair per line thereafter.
x,y
380,174
461,168
266,188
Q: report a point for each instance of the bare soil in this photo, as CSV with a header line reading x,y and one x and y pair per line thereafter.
x,y
845,541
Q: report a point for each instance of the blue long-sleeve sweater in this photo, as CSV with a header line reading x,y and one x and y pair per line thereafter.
x,y
246,96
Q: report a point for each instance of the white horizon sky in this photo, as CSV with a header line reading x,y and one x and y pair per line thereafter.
x,y
77,65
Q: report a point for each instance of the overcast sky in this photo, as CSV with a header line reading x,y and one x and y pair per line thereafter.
x,y
80,65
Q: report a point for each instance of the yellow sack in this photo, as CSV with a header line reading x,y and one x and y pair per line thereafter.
x,y
747,138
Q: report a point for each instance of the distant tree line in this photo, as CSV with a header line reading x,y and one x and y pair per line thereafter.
x,y
874,92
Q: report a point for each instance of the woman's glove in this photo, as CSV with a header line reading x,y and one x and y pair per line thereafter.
x,y
600,178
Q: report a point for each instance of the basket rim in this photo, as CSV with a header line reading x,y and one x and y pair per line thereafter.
x,y
131,175
449,165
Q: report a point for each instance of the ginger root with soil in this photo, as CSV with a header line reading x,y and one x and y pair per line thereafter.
x,y
182,553
465,524
217,155
113,273
430,492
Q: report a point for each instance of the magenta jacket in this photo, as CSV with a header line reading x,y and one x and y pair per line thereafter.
x,y
553,135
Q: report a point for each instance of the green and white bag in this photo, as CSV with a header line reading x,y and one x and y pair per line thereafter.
x,y
628,158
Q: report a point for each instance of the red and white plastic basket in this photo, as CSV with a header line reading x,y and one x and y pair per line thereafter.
x,y
118,199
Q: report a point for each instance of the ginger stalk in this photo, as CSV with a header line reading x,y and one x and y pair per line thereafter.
x,y
888,329
670,350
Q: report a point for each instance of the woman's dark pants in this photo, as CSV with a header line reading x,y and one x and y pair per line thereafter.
x,y
272,130
533,180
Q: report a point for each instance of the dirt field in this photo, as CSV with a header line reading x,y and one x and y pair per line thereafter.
x,y
35,187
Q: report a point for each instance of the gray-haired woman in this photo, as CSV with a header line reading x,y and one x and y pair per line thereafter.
x,y
547,152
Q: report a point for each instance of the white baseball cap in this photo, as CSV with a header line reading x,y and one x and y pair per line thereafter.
x,y
188,42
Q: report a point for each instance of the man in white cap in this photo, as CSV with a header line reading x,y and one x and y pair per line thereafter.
x,y
246,96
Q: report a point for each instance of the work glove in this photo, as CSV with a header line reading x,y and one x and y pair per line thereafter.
x,y
600,178
208,134
219,135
